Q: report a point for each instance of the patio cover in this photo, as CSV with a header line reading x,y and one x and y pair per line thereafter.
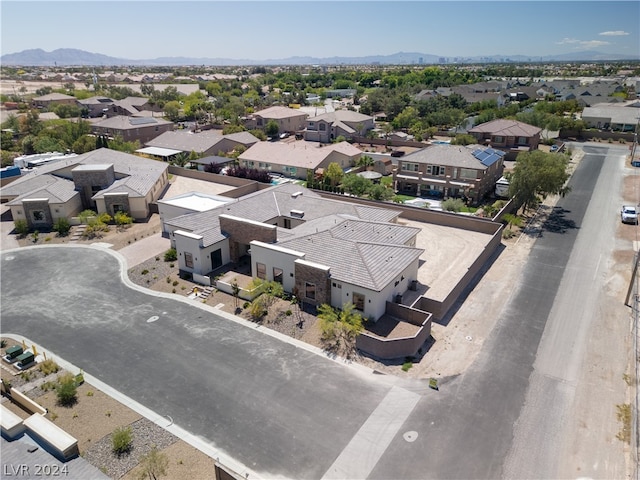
x,y
158,151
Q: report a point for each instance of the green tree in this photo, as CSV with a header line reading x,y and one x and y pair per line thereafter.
x,y
84,144
356,185
536,175
365,161
271,128
154,465
340,327
172,110
380,192
334,173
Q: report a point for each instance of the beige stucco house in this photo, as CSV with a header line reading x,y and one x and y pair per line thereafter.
x,y
106,181
289,120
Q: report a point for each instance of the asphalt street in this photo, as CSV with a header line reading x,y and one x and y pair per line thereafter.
x,y
284,411
276,408
468,431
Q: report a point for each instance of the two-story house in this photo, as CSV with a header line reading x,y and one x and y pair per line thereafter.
x,y
131,129
510,136
327,127
450,171
289,120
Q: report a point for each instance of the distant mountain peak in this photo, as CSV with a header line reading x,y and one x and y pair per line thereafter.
x,y
73,56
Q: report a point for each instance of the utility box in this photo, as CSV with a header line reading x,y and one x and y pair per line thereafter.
x,y
13,352
25,360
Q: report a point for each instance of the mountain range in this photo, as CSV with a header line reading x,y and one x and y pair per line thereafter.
x,y
71,56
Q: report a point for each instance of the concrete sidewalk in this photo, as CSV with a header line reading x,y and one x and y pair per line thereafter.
x,y
145,249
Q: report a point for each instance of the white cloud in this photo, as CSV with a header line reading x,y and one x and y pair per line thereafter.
x,y
566,41
583,43
615,33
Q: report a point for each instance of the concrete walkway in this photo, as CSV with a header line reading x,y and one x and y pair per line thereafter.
x,y
144,249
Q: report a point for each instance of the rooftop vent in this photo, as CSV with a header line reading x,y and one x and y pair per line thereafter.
x,y
297,213
296,194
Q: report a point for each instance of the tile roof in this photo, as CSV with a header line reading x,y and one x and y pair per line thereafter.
x,y
367,264
58,191
187,141
53,97
301,154
507,128
278,112
341,116
135,175
123,122
277,201
447,155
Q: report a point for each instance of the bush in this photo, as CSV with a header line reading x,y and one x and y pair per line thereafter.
x,y
48,367
66,389
144,272
21,227
170,255
406,366
453,205
122,219
62,227
121,440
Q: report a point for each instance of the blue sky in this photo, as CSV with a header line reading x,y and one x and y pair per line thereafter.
x,y
261,30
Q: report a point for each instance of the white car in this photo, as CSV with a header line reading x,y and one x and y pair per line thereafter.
x,y
629,214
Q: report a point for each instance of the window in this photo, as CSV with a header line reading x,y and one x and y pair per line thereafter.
x,y
259,123
38,215
410,167
310,290
188,260
498,139
468,173
358,301
522,140
117,208
435,170
277,274
322,127
261,270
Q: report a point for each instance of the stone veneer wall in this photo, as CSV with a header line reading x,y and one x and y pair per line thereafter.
x,y
34,205
320,277
116,199
245,232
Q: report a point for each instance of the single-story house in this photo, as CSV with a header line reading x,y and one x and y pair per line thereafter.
x,y
327,127
450,171
131,129
289,120
208,142
321,250
295,159
106,181
190,202
202,163
510,136
45,101
620,117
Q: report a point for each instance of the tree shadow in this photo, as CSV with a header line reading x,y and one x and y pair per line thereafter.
x,y
557,221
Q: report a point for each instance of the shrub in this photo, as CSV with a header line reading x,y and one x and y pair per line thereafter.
x,y
170,255
406,366
144,272
453,205
121,440
175,283
66,389
48,367
122,219
85,214
3,343
21,227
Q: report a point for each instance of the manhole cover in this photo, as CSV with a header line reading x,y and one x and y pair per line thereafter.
x,y
410,436
153,319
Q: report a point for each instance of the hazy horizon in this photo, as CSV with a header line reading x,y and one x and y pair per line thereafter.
x,y
264,30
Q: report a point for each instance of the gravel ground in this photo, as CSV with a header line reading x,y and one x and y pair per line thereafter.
x,y
145,434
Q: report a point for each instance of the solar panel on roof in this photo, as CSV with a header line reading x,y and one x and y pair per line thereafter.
x,y
142,121
488,156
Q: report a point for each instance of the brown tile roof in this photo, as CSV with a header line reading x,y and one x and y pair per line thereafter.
x,y
507,128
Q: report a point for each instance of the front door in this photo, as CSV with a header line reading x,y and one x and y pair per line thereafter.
x,y
216,259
